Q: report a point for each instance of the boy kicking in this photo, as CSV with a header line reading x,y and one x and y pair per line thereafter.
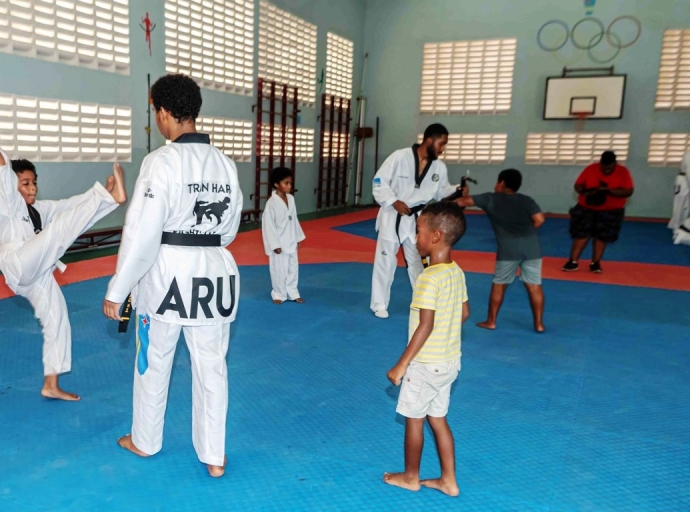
x,y
33,236
431,362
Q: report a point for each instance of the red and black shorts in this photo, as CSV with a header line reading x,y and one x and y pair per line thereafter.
x,y
604,225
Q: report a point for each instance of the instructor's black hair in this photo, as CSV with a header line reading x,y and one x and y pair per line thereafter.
x,y
511,178
179,95
435,130
279,174
608,158
446,217
21,165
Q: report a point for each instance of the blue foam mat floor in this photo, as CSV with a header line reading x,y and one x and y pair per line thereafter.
x,y
634,244
591,416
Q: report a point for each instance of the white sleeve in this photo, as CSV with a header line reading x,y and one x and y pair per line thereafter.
x,y
299,233
236,202
269,229
11,200
381,186
444,188
141,235
685,167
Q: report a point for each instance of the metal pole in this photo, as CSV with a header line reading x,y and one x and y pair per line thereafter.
x,y
148,112
360,152
376,150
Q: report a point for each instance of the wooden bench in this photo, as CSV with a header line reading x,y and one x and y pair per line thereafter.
x,y
97,238
250,216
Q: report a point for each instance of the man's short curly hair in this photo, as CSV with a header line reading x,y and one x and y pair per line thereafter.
x,y
179,95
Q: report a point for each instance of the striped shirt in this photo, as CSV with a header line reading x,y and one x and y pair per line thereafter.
x,y
442,289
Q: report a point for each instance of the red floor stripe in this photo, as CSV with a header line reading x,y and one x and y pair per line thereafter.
x,y
324,245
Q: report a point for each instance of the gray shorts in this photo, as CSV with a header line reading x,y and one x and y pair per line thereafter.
x,y
425,389
530,271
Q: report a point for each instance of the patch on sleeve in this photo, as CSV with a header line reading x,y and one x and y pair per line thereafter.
x,y
377,182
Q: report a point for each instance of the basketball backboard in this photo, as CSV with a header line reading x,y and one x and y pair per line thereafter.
x,y
599,97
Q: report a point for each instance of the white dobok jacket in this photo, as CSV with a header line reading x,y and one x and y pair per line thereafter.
x,y
398,179
16,226
188,187
280,228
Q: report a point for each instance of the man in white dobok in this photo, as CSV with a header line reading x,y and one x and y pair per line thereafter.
x,y
404,184
185,210
680,220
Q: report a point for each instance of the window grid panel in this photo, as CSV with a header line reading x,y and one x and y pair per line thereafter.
x,y
339,64
50,130
86,33
232,136
673,87
668,149
574,148
212,41
305,143
474,148
339,151
287,50
468,77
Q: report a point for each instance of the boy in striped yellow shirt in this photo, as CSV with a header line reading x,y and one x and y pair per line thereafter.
x,y
431,361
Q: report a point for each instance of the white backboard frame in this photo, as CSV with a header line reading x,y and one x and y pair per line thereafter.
x,y
565,94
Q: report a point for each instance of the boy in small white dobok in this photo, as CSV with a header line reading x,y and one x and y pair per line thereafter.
x,y
34,235
282,235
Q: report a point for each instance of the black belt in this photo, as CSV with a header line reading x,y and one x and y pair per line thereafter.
x,y
413,211
190,240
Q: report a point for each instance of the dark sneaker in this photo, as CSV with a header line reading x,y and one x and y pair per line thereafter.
x,y
595,266
571,266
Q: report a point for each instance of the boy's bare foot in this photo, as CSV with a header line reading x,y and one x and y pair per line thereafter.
x,y
451,489
400,480
51,389
276,301
487,325
299,300
127,444
217,471
539,328
59,394
115,184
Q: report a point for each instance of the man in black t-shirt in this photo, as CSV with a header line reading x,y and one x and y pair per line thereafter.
x,y
515,219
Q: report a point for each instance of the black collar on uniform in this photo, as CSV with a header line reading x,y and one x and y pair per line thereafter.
x,y
193,138
418,178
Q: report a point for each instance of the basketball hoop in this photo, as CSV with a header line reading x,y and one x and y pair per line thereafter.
x,y
580,119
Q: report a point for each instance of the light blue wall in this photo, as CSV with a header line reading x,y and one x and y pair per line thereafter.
x,y
34,77
396,31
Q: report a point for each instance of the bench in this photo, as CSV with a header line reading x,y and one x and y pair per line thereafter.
x,y
97,238
250,216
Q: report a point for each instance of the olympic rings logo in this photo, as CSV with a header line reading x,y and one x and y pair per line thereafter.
x,y
612,38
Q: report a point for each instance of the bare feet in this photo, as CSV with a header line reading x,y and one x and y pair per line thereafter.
x,y
59,394
127,444
217,471
51,389
115,184
539,328
276,301
300,300
487,325
400,480
451,489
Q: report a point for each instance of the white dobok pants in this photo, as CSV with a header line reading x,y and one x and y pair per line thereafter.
x,y
385,263
681,203
36,262
208,346
284,270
